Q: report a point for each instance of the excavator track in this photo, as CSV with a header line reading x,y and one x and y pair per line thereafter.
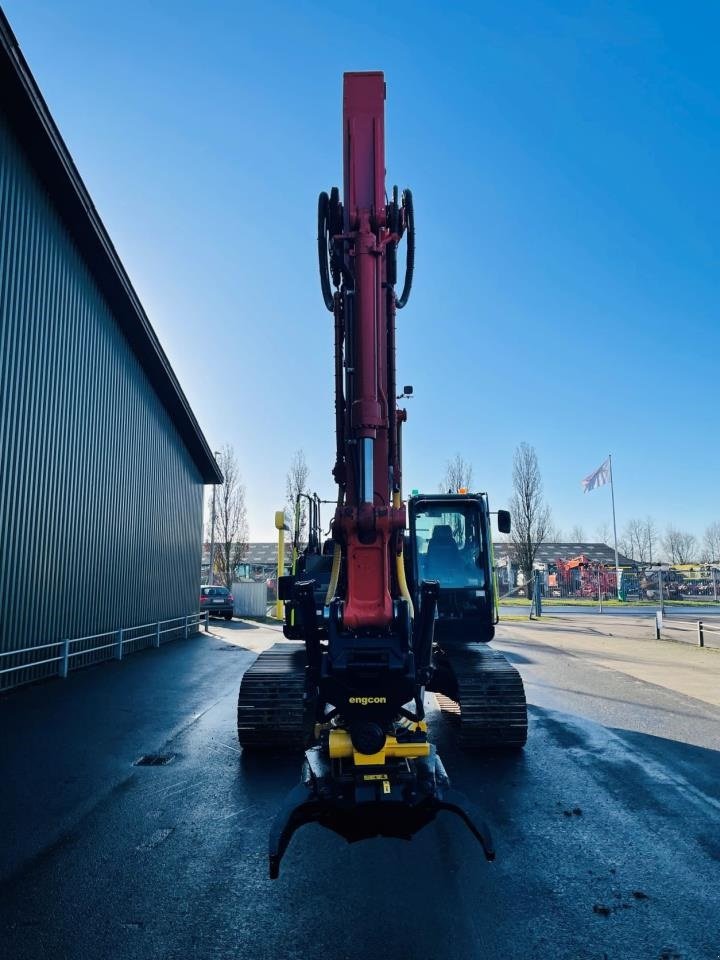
x,y
272,705
488,698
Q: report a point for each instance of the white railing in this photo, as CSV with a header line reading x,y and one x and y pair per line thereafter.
x,y
66,650
699,628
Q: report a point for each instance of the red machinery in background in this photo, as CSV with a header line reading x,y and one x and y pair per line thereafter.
x,y
582,577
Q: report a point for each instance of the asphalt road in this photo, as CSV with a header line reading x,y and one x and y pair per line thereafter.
x,y
606,827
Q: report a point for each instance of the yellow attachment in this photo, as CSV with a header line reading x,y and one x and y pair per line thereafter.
x,y
334,574
412,725
341,747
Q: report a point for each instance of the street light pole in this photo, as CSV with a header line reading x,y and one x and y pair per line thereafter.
x,y
612,497
211,578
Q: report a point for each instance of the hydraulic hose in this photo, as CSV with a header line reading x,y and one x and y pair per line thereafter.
x,y
339,468
393,212
334,574
335,226
322,240
402,583
400,566
391,391
410,261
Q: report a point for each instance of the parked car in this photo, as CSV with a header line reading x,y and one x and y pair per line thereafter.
x,y
218,601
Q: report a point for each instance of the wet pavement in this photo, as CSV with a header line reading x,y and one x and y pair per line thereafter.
x,y
606,827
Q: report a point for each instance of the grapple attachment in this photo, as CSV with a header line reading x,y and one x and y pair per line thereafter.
x,y
396,800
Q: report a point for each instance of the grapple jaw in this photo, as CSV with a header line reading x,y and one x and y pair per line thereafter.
x,y
397,800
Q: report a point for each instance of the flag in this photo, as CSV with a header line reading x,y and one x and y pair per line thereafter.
x,y
597,478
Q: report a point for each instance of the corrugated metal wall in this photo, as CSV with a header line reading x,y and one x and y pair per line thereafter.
x,y
100,502
251,599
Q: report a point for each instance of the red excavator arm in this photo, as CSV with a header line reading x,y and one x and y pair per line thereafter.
x,y
358,240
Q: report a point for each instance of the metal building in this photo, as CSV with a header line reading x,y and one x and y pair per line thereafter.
x,y
102,463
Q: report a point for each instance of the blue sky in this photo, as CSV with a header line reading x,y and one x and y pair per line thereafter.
x,y
563,159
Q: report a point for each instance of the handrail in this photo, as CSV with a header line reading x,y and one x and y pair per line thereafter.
x,y
42,646
121,639
694,621
35,663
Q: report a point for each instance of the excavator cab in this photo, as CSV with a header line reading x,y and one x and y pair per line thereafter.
x,y
450,543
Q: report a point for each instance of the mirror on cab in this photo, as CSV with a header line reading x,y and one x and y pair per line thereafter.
x,y
504,521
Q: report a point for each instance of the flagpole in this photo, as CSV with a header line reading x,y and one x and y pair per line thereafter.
x,y
612,495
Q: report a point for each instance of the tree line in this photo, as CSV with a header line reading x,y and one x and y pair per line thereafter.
x,y
640,541
227,530
532,524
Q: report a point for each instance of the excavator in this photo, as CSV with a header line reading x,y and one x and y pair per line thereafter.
x,y
409,606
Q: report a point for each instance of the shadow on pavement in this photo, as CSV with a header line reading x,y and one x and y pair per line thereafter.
x,y
515,657
237,625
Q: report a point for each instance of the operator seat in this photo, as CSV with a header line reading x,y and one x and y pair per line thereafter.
x,y
443,556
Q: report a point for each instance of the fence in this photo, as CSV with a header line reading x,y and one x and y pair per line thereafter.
x,y
581,579
61,656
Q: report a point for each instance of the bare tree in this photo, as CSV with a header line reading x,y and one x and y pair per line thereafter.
x,y
638,540
458,473
651,538
711,543
295,484
626,544
577,534
603,533
632,541
231,526
679,545
531,519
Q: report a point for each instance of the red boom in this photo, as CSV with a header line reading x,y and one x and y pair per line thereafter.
x,y
370,519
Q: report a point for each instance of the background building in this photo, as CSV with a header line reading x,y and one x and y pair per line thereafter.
x,y
551,551
259,562
102,463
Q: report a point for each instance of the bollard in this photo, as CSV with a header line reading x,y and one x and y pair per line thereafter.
x,y
658,625
186,628
119,647
157,634
207,622
64,661
701,638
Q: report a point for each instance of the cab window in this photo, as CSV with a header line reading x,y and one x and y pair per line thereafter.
x,y
449,545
